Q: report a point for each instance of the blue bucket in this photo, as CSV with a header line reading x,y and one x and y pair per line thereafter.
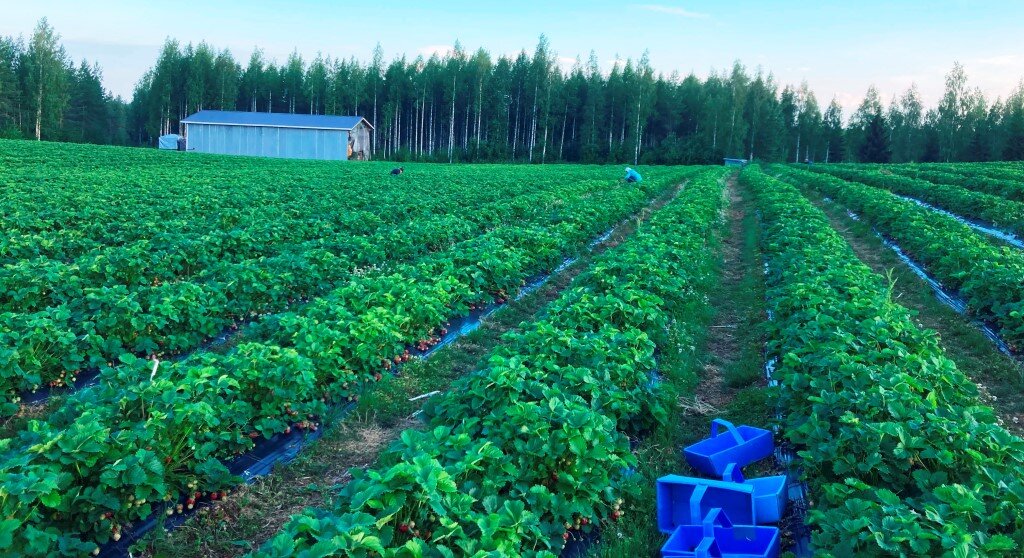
x,y
717,537
769,493
743,445
687,500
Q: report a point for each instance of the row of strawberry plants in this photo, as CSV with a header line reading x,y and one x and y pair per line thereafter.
x,y
37,283
532,450
965,175
113,454
36,341
900,456
269,214
986,275
63,201
987,208
151,227
1005,170
314,219
108,197
92,326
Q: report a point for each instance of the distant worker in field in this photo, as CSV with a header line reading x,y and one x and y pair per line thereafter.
x,y
398,170
632,176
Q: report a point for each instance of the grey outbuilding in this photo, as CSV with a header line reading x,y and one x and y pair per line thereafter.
x,y
272,134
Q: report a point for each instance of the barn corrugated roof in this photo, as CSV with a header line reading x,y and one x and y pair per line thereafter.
x,y
275,120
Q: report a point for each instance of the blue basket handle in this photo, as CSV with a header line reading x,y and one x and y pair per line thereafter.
x,y
708,547
695,498
733,473
728,426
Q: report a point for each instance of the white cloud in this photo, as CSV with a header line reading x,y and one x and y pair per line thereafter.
x,y
673,10
440,50
1000,60
566,62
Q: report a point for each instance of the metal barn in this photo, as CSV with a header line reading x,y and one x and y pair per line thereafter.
x,y
272,134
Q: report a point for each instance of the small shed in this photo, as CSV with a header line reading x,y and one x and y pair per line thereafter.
x,y
735,162
275,134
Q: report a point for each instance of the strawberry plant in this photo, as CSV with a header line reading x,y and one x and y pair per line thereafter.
x,y
989,208
968,176
531,451
133,261
901,457
178,430
987,276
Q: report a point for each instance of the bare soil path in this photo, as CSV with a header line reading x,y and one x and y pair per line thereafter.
x,y
718,373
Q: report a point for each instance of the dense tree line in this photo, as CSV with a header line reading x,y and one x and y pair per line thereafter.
x,y
44,95
469,106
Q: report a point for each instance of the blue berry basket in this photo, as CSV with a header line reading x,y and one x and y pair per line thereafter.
x,y
741,445
687,500
717,537
769,493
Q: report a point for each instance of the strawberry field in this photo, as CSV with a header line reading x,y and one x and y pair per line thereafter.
x,y
165,317
153,261
339,270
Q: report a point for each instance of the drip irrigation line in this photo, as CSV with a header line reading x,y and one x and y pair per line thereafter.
x,y
983,228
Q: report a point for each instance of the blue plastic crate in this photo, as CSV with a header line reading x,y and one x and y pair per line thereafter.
x,y
717,537
686,500
741,445
769,493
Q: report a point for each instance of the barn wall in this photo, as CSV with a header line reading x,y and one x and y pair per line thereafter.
x,y
263,141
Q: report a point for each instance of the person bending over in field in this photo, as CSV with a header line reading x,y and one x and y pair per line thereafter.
x,y
398,170
632,176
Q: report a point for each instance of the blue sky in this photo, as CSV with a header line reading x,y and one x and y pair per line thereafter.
x,y
840,48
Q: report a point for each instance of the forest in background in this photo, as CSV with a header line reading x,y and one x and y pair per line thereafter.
x,y
470,107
